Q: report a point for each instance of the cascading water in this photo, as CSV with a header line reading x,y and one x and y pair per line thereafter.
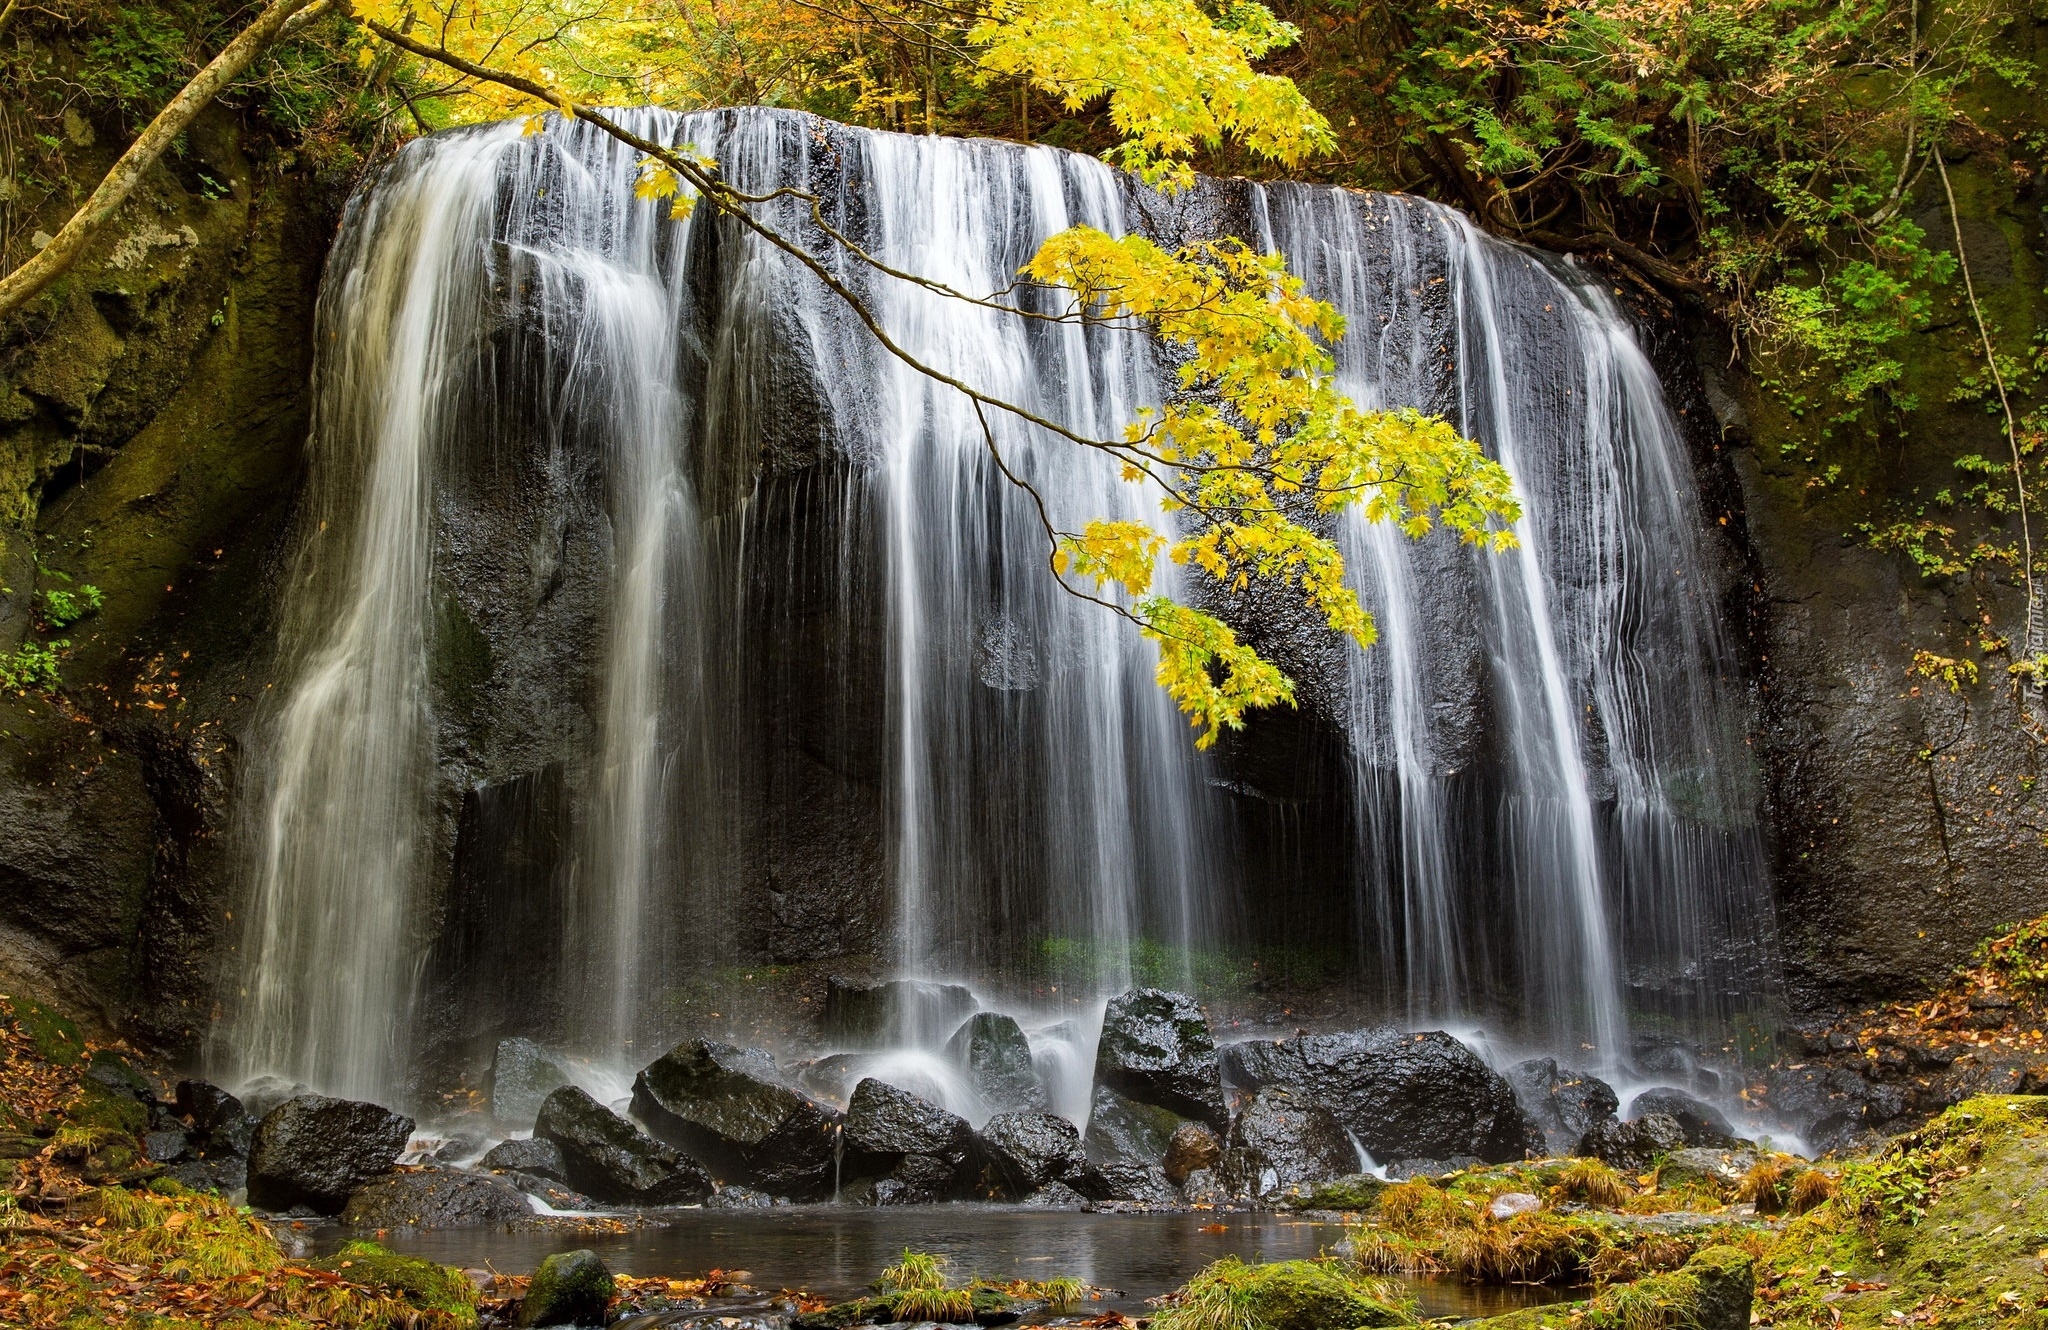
x,y
601,497
1586,668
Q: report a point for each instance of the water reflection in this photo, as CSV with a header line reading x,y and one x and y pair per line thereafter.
x,y
835,1251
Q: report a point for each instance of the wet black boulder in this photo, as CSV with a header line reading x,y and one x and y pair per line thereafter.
x,y
994,1051
1404,1096
1702,1123
315,1151
522,1074
728,1107
436,1198
1029,1151
537,1158
611,1160
1565,1104
1284,1139
1634,1146
1156,1048
891,1132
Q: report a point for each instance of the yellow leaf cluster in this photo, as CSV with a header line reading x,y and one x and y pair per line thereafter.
x,y
1176,78
1258,443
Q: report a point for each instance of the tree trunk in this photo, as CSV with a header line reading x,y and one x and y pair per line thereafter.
x,y
22,285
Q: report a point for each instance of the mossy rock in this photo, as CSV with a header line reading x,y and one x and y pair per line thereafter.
x,y
1357,1191
56,1038
570,1288
1310,1295
840,1315
97,1106
425,1284
1712,1291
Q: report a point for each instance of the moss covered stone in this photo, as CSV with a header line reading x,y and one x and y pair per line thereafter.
x,y
570,1288
431,1287
1712,1291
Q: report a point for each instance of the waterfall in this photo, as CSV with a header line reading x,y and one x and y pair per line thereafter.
x,y
1587,668
647,618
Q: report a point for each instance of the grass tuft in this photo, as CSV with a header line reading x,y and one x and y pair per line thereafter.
x,y
1591,1182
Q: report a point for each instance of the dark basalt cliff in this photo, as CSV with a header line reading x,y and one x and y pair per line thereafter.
x,y
153,413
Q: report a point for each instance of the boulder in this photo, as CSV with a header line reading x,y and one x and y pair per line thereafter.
x,y
925,1152
1156,1049
996,1055
1124,1180
1633,1147
1033,1150
315,1151
1294,1140
888,1122
737,1197
728,1107
870,1014
1056,1196
436,1198
1204,1187
169,1146
536,1158
1718,1172
1402,1170
1404,1096
1123,1130
1565,1104
1511,1203
521,1075
1192,1146
570,1288
1702,1124
610,1159
220,1125
264,1093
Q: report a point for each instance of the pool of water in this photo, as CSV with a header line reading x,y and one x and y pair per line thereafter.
x,y
835,1251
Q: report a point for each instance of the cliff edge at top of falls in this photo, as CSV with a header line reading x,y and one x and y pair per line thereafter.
x,y
151,444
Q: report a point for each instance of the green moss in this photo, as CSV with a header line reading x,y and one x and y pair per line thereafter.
x,y
860,1311
55,1037
98,1106
1358,1191
1286,1295
432,1287
1712,1291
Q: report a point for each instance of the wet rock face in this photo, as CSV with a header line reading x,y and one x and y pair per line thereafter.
x,y
613,1161
1156,1049
997,1057
436,1198
862,1014
536,1157
1634,1146
728,1107
1702,1124
1404,1096
1565,1104
315,1151
1124,1130
521,1076
1192,1147
923,1152
882,1119
1033,1150
1282,1139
